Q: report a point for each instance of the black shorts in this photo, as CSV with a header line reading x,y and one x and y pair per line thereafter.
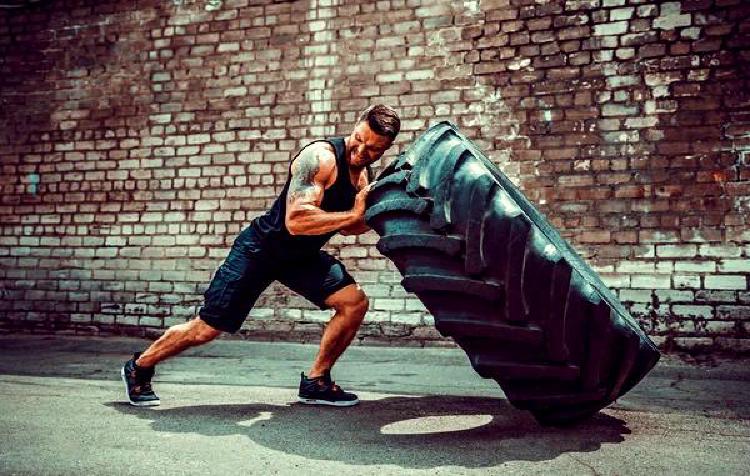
x,y
250,268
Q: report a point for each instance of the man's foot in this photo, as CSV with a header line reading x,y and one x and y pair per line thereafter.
x,y
137,382
323,391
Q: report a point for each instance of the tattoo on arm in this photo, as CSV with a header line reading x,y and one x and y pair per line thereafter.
x,y
303,179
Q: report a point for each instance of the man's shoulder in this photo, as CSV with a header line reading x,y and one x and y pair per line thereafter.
x,y
321,150
320,145
317,159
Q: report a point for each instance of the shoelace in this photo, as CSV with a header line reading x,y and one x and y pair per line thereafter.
x,y
142,386
331,385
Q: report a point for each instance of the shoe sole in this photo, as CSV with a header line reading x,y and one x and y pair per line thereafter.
x,y
341,403
151,403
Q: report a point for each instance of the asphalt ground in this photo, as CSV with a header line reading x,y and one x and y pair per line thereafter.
x,y
229,407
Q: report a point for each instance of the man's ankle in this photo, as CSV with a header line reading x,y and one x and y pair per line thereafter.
x,y
139,363
316,374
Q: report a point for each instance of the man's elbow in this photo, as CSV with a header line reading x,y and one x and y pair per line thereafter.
x,y
295,223
292,227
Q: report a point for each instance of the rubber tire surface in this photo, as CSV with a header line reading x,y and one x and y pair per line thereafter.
x,y
503,283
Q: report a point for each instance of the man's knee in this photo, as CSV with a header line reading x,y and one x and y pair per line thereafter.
x,y
355,306
195,332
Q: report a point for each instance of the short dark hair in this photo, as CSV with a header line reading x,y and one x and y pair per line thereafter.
x,y
382,119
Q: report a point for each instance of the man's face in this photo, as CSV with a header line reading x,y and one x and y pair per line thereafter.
x,y
365,146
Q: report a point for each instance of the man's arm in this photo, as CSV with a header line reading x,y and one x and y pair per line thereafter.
x,y
365,180
310,172
355,229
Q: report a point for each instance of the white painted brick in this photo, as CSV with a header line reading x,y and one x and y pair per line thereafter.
x,y
736,265
411,318
226,47
682,281
665,267
150,321
651,281
728,281
163,240
378,316
353,252
377,290
263,313
295,314
170,321
316,315
692,33
203,205
415,305
705,312
648,236
644,251
696,266
104,318
127,320
670,18
647,10
723,251
420,74
635,295
612,28
238,91
621,13
198,139
635,266
616,280
640,309
388,304
389,77
671,295
676,251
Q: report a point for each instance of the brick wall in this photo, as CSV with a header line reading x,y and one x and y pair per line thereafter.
x,y
138,138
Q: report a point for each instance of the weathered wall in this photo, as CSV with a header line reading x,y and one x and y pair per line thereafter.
x,y
138,138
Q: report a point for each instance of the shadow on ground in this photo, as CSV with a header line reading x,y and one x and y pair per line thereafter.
x,y
409,432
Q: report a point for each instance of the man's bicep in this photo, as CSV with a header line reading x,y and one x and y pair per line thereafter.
x,y
308,177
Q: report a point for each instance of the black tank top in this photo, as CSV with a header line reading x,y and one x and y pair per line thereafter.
x,y
338,197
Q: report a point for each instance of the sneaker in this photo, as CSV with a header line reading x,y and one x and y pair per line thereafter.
x,y
137,382
323,391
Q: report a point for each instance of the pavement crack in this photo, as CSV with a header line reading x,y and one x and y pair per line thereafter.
x,y
587,465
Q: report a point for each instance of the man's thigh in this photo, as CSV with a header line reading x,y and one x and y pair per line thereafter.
x,y
316,278
236,285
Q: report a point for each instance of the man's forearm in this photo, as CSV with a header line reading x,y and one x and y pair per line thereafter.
x,y
356,228
314,221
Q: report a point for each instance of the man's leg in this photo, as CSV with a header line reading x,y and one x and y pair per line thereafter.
x,y
176,339
350,304
233,290
323,280
137,372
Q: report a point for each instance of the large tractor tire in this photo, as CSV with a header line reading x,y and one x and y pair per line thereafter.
x,y
503,283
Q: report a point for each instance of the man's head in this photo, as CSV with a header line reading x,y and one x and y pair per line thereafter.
x,y
373,134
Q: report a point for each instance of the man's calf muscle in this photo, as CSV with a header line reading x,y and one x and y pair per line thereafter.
x,y
176,339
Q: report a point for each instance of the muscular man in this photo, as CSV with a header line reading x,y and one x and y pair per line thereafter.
x,y
324,194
